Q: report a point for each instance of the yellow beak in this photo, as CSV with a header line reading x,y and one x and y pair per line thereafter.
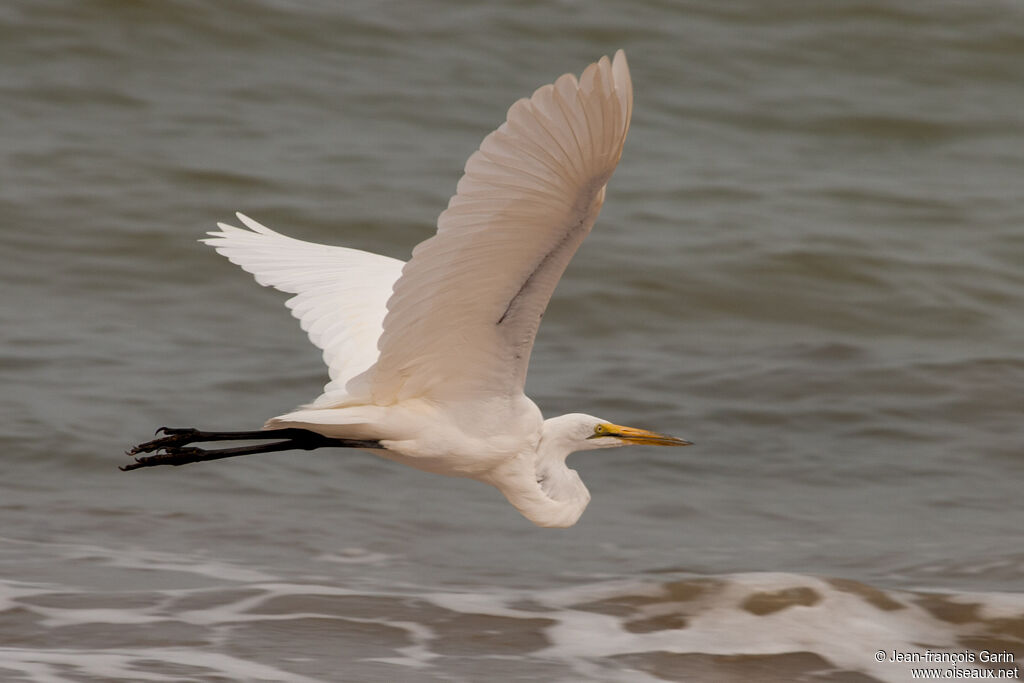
x,y
641,437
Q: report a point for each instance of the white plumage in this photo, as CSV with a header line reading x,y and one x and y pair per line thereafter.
x,y
340,297
429,357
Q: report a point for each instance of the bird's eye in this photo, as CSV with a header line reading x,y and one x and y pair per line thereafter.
x,y
600,429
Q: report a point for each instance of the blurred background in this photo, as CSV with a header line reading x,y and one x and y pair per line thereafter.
x,y
810,263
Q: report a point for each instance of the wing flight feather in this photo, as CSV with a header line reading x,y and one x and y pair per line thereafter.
x,y
340,293
465,311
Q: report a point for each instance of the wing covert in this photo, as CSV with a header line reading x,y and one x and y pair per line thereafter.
x,y
465,311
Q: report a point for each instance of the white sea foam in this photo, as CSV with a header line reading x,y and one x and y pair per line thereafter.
x,y
710,627
43,666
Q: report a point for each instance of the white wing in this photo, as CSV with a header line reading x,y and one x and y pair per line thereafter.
x,y
340,293
464,313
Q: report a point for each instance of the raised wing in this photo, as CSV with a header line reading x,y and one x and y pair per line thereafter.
x,y
464,313
340,293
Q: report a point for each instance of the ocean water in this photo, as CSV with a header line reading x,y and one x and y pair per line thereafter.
x,y
810,263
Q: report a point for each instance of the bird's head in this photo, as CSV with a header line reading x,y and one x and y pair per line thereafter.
x,y
554,495
579,432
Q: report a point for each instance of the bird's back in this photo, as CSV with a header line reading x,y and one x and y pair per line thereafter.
x,y
463,439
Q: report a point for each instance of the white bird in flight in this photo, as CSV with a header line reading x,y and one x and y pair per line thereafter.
x,y
428,358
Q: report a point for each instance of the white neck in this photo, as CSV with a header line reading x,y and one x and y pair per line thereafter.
x,y
540,485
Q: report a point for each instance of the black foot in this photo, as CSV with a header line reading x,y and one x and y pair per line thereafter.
x,y
176,436
171,456
171,451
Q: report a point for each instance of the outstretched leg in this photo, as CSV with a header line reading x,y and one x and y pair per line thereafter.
x,y
173,453
182,436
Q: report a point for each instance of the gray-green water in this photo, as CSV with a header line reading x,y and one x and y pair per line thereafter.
x,y
810,262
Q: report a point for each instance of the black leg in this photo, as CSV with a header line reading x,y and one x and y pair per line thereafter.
x,y
182,436
174,454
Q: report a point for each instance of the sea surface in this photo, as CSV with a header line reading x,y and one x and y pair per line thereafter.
x,y
810,263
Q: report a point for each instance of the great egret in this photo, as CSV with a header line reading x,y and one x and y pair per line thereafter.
x,y
428,358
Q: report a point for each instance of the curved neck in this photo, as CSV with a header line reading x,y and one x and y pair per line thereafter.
x,y
541,486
